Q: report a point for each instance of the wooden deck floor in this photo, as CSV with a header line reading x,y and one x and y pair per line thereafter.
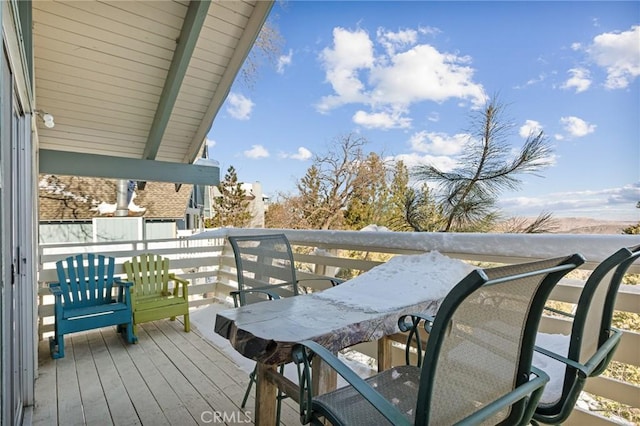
x,y
169,378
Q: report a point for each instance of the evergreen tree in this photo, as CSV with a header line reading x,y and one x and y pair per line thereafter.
x,y
410,209
310,203
421,211
368,203
487,167
398,190
232,208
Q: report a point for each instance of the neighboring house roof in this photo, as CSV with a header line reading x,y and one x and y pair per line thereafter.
x,y
80,198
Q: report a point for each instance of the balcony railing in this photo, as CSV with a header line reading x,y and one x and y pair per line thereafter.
x,y
206,260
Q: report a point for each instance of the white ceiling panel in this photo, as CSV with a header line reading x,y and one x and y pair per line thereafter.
x,y
137,79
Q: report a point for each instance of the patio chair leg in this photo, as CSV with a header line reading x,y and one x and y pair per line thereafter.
x,y
128,332
131,336
252,380
279,398
187,324
56,347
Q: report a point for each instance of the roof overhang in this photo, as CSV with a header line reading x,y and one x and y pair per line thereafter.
x,y
134,86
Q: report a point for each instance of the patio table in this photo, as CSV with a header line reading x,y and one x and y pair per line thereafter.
x,y
267,331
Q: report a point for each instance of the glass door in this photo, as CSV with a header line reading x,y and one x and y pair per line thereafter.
x,y
11,389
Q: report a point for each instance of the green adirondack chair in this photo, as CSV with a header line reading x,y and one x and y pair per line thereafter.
x,y
151,297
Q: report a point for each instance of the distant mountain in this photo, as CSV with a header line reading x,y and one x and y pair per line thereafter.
x,y
585,225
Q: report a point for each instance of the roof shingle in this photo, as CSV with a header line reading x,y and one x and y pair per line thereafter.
x,y
68,198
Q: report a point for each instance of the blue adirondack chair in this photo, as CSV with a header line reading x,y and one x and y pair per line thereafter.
x,y
86,298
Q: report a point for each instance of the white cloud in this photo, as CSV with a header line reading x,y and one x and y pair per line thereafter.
x,y
442,162
533,81
404,74
391,40
429,30
530,127
580,80
256,151
239,107
609,203
381,120
284,61
425,74
302,154
351,52
438,143
577,127
618,53
433,116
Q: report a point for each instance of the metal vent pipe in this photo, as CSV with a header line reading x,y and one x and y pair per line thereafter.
x,y
122,206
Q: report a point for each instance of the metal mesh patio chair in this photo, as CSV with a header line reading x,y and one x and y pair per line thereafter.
x,y
591,344
477,365
266,271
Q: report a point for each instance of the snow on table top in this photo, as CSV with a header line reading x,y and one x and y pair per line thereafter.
x,y
402,281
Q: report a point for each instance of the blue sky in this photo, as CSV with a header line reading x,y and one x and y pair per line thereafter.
x,y
407,76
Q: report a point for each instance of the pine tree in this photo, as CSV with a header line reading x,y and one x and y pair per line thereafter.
x,y
469,192
310,204
368,203
232,208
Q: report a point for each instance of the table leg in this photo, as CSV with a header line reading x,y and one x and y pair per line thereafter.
x,y
266,391
325,378
384,354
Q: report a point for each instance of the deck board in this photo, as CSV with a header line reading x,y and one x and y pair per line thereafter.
x,y
46,402
120,405
176,372
70,410
142,398
89,379
169,378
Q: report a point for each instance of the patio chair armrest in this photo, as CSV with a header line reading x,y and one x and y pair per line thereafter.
x,y
599,361
533,387
177,279
236,294
403,325
594,365
180,282
559,312
334,281
55,289
118,281
561,358
302,353
410,323
123,295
